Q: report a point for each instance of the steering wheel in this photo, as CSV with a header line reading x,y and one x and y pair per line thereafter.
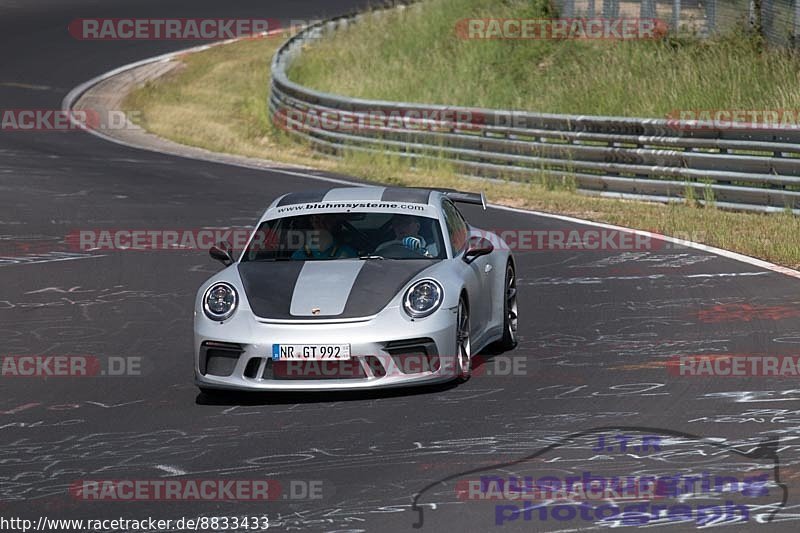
x,y
397,249
387,244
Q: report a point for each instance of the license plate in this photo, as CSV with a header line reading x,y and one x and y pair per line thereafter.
x,y
310,352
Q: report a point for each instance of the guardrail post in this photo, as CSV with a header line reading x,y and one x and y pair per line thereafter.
x,y
795,22
568,9
647,9
676,15
711,17
754,15
767,19
610,9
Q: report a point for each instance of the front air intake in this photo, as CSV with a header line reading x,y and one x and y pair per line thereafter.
x,y
219,358
414,356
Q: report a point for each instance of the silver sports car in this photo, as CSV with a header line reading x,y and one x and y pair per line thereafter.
x,y
355,288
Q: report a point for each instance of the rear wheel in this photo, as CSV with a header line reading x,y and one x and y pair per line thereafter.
x,y
510,317
463,345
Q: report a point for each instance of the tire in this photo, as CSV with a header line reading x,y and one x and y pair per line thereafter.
x,y
463,343
509,340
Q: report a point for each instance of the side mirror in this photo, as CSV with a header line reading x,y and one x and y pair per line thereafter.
x,y
222,253
476,247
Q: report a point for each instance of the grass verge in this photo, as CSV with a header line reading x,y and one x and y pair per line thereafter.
x,y
416,55
217,101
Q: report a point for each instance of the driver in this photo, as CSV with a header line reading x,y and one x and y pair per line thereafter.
x,y
325,245
406,232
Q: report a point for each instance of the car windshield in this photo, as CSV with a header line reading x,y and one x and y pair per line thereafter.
x,y
331,236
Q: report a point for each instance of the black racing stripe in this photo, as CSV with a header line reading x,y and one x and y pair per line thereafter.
x,y
303,197
379,282
406,194
269,286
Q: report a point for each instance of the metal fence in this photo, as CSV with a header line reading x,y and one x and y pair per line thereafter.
x,y
651,159
777,20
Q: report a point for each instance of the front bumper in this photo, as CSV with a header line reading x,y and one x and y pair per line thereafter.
x,y
388,350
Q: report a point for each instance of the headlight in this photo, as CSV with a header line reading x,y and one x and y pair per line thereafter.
x,y
423,298
220,301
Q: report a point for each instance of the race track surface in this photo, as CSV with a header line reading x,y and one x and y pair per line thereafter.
x,y
597,328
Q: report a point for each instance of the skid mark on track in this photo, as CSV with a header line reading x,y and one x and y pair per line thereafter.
x,y
51,257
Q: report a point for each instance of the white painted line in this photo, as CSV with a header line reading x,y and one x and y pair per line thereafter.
x,y
74,94
171,470
69,101
727,274
689,244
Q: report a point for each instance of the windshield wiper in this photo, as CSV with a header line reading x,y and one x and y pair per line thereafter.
x,y
370,257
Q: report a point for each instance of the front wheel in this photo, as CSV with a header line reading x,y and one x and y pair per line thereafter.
x,y
510,318
463,346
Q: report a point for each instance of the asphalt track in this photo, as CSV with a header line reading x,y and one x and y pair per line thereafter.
x,y
596,329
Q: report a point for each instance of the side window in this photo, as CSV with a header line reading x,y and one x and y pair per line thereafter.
x,y
456,227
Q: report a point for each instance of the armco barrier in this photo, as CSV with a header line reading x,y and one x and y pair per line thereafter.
x,y
652,159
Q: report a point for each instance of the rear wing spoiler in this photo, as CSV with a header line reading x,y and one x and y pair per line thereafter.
x,y
465,197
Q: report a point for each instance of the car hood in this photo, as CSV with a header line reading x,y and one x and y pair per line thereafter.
x,y
326,289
